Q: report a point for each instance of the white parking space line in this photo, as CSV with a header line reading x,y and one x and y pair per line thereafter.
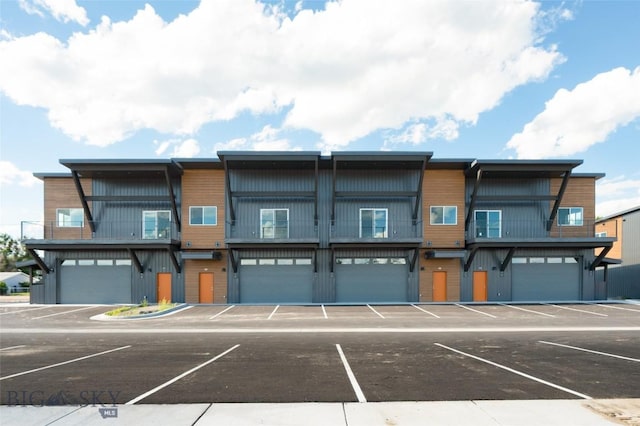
x,y
617,307
175,379
474,310
528,310
324,311
425,311
519,373
25,310
274,312
222,312
62,313
376,312
590,351
12,347
578,310
64,362
352,377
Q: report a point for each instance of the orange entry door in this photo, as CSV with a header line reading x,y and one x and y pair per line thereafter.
x,y
205,281
479,286
163,280
439,286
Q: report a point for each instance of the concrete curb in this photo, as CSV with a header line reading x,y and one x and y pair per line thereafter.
x,y
179,308
403,413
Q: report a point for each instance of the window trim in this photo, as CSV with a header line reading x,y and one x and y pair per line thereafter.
x,y
386,221
444,222
70,223
569,216
157,237
475,212
274,227
203,216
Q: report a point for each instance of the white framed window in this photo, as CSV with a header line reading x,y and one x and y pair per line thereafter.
x,y
274,223
156,224
70,218
570,216
602,234
488,223
203,215
444,215
373,223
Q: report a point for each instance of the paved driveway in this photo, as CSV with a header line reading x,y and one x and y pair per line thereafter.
x,y
57,355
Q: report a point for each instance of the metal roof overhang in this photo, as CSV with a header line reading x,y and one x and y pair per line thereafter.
x,y
131,246
528,169
513,244
522,168
310,243
129,169
269,159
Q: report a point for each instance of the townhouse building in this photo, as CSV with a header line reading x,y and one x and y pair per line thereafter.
x,y
301,227
621,276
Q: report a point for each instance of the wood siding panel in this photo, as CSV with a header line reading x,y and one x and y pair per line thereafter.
x,y
580,192
192,269
203,188
60,193
451,267
443,188
613,228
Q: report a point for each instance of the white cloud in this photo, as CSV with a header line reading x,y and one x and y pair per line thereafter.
x,y
616,194
343,72
574,120
267,139
181,148
11,175
418,133
62,10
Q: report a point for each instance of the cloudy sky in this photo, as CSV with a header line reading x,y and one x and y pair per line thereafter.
x,y
180,78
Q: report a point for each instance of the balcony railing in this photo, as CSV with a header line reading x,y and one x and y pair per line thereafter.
x,y
286,230
396,230
530,229
117,230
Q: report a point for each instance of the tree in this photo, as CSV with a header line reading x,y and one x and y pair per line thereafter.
x,y
11,252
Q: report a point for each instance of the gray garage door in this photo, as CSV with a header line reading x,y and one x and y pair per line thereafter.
x,y
95,281
276,281
362,280
545,279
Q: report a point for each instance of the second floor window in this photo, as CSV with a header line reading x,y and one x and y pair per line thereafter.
x,y
444,215
156,224
274,223
373,223
70,218
203,215
488,223
570,216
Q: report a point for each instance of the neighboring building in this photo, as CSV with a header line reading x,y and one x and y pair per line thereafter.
x,y
622,276
14,280
300,227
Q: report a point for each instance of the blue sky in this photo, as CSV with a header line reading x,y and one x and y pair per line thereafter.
x,y
179,78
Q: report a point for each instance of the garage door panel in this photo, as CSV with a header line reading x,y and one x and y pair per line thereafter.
x,y
371,283
545,281
95,284
276,284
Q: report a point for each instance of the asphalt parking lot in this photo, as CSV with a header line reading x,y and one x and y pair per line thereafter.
x,y
57,355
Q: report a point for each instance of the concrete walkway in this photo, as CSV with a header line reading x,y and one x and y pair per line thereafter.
x,y
479,413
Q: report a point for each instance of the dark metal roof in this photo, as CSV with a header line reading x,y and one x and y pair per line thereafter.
x,y
594,242
380,159
269,159
43,176
198,163
522,168
121,167
619,214
100,244
449,163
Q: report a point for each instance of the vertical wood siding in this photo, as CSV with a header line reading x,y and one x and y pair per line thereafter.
x,y
580,192
60,193
443,188
203,188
